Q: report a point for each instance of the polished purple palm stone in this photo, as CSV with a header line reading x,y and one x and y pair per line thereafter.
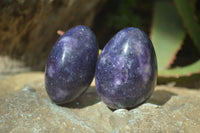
x,y
126,72
71,65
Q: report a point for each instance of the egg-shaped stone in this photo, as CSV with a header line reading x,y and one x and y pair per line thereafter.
x,y
126,71
71,65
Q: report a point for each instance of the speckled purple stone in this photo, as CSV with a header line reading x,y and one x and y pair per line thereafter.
x,y
71,65
126,72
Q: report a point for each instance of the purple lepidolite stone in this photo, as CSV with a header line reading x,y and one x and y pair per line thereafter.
x,y
126,72
71,65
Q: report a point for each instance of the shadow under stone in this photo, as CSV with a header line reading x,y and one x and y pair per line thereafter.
x,y
88,98
160,97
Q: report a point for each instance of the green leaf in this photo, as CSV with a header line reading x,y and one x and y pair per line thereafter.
x,y
183,74
181,71
186,12
167,33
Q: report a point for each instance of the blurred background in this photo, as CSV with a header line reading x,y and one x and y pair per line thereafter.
x,y
28,30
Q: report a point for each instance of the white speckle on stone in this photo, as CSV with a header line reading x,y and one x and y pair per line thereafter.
x,y
150,104
41,84
103,59
51,71
35,130
136,111
61,93
64,124
180,123
100,103
117,82
129,65
26,88
131,121
147,69
121,112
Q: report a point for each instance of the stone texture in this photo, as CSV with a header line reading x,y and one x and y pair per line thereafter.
x,y
27,108
71,65
21,80
126,71
28,29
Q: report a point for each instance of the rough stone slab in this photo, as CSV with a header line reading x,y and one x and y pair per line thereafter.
x,y
28,109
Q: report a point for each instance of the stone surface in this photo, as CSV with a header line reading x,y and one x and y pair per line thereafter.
x,y
20,81
28,29
27,108
71,65
126,71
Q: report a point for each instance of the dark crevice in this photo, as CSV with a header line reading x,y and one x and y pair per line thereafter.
x,y
119,14
187,55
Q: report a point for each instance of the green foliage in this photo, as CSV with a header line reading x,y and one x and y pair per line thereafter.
x,y
172,22
181,71
186,12
168,34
